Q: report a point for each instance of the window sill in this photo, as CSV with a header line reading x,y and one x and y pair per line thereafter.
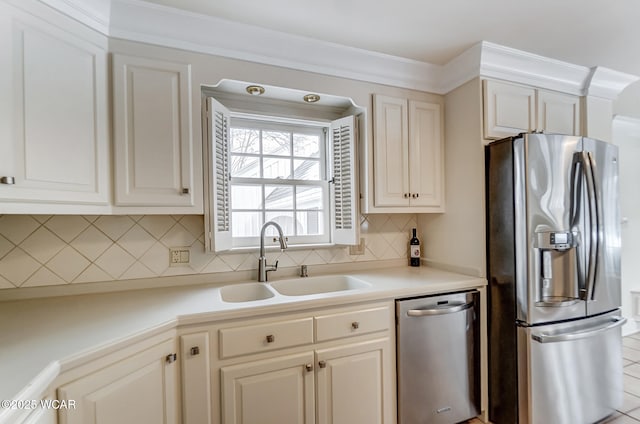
x,y
273,248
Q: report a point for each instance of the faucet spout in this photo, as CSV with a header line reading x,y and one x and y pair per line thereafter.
x,y
263,268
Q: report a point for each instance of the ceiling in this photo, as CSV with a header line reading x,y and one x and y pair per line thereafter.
x,y
584,32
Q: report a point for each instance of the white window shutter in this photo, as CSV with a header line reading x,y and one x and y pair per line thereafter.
x,y
218,221
346,223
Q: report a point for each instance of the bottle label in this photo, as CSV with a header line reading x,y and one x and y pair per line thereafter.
x,y
415,251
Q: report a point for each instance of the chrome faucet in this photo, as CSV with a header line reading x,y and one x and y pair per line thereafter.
x,y
263,268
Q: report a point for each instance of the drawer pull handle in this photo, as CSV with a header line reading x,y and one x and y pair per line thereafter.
x,y
7,180
355,325
309,367
194,351
270,338
322,364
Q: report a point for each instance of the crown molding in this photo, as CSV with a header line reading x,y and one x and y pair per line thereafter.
x,y
608,83
506,63
141,21
96,14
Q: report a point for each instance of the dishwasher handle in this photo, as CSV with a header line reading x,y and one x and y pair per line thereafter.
x,y
440,310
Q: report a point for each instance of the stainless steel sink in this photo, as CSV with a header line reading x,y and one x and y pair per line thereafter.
x,y
316,285
246,292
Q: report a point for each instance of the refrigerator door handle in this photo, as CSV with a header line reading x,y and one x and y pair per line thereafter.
x,y
553,338
588,166
440,310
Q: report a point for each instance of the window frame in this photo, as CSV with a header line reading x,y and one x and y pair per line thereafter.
x,y
309,127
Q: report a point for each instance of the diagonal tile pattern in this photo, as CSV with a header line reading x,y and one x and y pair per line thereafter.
x,y
44,250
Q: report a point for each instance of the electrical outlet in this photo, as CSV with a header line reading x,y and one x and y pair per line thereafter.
x,y
179,256
357,250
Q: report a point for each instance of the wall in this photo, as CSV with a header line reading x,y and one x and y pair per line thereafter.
x,y
626,135
457,237
45,250
39,250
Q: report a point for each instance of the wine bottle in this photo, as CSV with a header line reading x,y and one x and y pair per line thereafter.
x,y
414,247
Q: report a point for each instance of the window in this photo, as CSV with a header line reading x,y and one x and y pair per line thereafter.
x,y
300,175
278,173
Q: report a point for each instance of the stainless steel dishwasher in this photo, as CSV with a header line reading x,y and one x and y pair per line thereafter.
x,y
438,358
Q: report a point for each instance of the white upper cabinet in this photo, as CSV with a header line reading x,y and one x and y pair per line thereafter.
x,y
53,113
510,109
558,113
153,148
407,169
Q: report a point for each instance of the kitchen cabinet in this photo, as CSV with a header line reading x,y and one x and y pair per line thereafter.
x,y
335,365
408,174
510,109
141,388
54,117
153,138
350,382
196,380
274,390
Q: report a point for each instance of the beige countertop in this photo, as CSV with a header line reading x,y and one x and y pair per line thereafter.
x,y
39,338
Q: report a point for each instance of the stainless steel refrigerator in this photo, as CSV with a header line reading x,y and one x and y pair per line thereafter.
x,y
553,266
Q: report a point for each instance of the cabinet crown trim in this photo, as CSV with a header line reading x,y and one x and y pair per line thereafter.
x,y
146,22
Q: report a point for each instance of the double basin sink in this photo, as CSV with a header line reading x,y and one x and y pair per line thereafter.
x,y
249,292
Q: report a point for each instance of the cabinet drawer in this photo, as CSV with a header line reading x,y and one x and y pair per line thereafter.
x,y
354,323
265,337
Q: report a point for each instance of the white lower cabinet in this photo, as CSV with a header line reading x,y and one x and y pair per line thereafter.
x,y
142,388
341,372
328,366
196,378
351,383
275,390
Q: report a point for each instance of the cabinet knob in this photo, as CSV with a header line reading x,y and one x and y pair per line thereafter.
x,y
415,195
7,180
270,338
355,325
322,364
170,358
309,367
185,190
194,351
406,195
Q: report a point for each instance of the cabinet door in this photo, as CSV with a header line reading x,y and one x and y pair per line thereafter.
x,y
54,111
143,388
153,137
355,384
270,391
508,109
196,378
426,176
558,113
390,151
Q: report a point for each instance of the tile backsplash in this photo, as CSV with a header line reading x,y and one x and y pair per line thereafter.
x,y
45,250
